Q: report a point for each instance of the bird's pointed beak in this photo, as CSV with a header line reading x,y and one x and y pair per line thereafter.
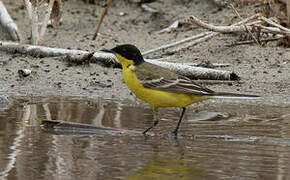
x,y
108,51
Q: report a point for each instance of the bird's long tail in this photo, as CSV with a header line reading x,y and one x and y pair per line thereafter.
x,y
234,95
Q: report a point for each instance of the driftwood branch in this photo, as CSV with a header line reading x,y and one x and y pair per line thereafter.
x,y
244,27
221,29
36,51
196,72
8,24
212,34
273,30
196,38
107,59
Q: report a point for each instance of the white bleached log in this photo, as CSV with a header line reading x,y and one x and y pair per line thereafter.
x,y
108,59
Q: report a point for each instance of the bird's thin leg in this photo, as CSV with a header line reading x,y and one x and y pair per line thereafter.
x,y
175,132
155,122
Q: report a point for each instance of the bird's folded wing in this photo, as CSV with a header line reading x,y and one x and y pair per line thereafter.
x,y
159,78
178,85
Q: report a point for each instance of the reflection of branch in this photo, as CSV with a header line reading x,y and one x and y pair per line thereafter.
x,y
63,112
16,143
80,128
26,113
33,120
30,115
117,119
97,121
46,111
13,155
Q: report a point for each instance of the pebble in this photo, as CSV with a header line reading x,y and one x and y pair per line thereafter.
x,y
122,14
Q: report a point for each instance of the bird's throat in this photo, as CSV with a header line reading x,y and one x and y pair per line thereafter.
x,y
124,62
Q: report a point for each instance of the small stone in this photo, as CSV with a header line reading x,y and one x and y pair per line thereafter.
x,y
24,72
122,14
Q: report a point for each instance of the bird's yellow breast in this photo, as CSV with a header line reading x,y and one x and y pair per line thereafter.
x,y
157,98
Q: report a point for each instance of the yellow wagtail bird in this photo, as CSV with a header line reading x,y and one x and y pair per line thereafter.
x,y
161,87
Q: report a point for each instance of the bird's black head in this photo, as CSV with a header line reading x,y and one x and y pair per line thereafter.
x,y
129,52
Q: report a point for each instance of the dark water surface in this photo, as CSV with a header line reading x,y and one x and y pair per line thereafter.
x,y
225,140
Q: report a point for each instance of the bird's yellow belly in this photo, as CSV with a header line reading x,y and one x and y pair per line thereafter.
x,y
157,98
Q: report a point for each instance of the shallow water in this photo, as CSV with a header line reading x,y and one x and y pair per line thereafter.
x,y
220,140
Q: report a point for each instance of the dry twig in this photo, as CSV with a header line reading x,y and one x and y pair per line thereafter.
x,y
288,11
33,9
252,41
176,43
272,23
53,13
45,21
252,35
173,26
105,11
221,29
275,30
197,38
7,23
147,8
197,41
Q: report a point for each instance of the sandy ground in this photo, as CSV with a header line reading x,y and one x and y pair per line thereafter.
x,y
263,70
